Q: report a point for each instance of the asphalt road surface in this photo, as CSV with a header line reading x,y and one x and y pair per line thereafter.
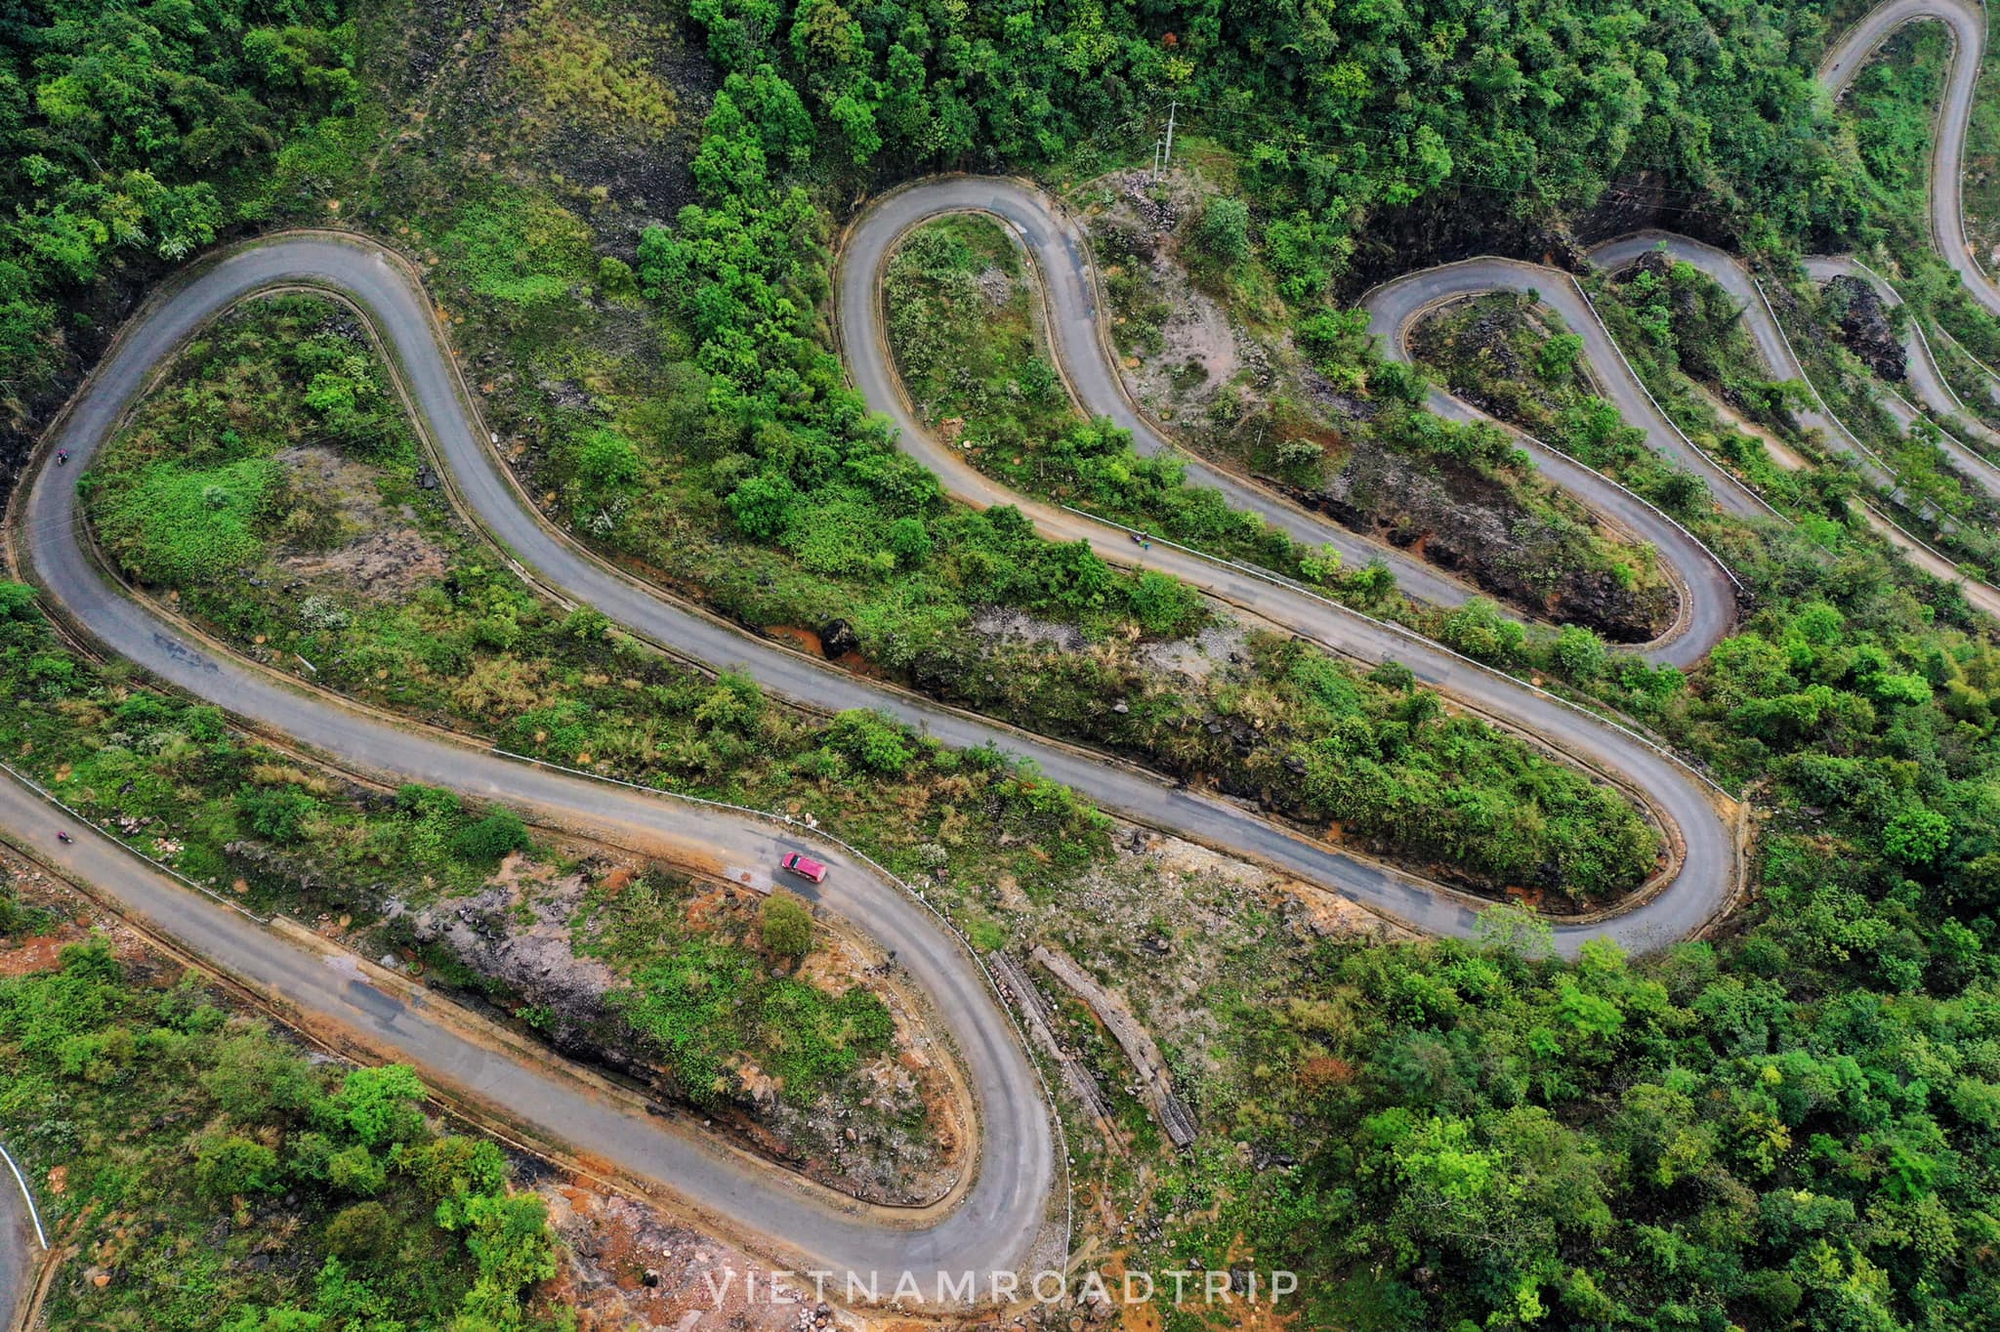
x,y
1707,875
991,1226
998,1216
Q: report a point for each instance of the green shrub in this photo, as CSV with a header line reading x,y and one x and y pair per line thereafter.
x,y
1581,652
814,1037
878,743
280,814
362,1233
356,1170
605,458
1164,605
233,1166
489,839
1480,630
763,504
381,1105
518,249
1558,359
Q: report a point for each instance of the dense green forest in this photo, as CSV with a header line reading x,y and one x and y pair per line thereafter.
x,y
1781,1128
1377,104
1339,109
134,134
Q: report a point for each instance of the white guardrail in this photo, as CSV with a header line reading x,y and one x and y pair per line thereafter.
x,y
34,1215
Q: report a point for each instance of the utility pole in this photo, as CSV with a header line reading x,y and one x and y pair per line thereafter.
x,y
1163,148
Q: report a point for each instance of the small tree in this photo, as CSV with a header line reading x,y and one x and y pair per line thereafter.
x,y
357,1170
1581,652
1297,454
763,504
1320,565
786,926
380,1105
872,740
279,814
1224,233
1557,362
1163,604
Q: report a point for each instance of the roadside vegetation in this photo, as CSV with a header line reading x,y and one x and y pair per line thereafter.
x,y
689,1003
715,987
964,326
150,1110
1515,359
1722,1131
1888,112
966,339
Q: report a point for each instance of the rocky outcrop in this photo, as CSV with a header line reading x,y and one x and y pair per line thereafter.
x,y
1466,523
878,1136
1865,327
521,944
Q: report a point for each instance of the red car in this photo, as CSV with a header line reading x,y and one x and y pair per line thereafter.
x,y
804,866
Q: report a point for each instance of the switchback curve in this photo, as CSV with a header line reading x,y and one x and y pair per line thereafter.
x,y
1706,878
1966,21
995,1221
999,1216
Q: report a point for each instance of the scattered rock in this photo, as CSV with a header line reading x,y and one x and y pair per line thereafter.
x,y
1864,325
837,638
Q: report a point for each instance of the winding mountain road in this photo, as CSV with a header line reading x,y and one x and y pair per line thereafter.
x,y
993,1222
1966,21
1061,257
1707,874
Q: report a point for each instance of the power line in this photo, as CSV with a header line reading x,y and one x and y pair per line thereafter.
x,y
1544,154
